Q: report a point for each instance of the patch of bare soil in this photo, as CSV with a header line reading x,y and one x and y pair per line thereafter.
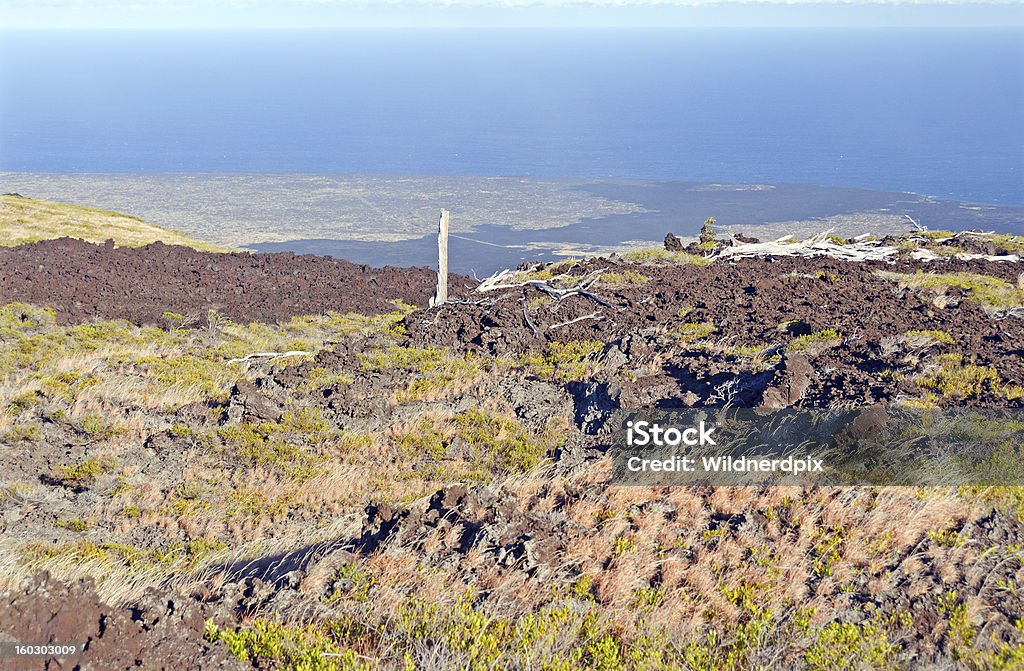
x,y
82,281
162,631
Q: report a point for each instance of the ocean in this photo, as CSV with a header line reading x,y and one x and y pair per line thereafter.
x,y
937,112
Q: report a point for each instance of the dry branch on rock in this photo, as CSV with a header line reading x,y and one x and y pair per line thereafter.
x,y
818,245
504,280
271,355
857,250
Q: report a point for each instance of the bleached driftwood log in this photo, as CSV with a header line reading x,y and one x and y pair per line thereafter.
x,y
818,245
928,255
857,250
925,254
593,315
270,355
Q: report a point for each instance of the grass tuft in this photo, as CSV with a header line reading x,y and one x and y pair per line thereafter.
x,y
991,293
657,255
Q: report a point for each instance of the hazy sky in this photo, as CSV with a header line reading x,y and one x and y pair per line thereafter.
x,y
413,13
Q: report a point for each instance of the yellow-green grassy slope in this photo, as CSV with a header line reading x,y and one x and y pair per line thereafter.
x,y
25,220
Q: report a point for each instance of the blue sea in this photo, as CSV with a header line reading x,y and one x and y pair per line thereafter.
x,y
938,112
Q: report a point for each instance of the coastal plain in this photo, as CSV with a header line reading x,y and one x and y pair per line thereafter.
x,y
497,222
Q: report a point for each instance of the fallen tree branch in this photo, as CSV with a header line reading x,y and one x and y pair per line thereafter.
x,y
919,227
858,250
924,254
462,301
1011,312
594,315
499,281
595,297
526,318
270,355
818,245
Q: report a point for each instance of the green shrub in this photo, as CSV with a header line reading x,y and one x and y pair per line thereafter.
x,y
290,446
826,337
423,440
97,428
659,255
501,444
417,359
289,648
842,645
957,381
86,473
564,361
158,367
625,278
21,432
72,524
927,338
707,234
693,331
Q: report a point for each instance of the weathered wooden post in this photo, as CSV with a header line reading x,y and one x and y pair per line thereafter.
x,y
442,261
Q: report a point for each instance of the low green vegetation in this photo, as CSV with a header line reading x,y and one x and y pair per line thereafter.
x,y
623,545
1011,243
947,243
501,444
992,293
569,633
97,428
86,473
844,645
824,338
916,339
949,538
744,351
432,369
657,255
27,432
415,359
288,648
565,361
955,380
690,332
424,440
291,447
625,278
72,524
179,556
475,445
756,358
147,366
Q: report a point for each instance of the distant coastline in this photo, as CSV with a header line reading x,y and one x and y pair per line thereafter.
x,y
497,221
